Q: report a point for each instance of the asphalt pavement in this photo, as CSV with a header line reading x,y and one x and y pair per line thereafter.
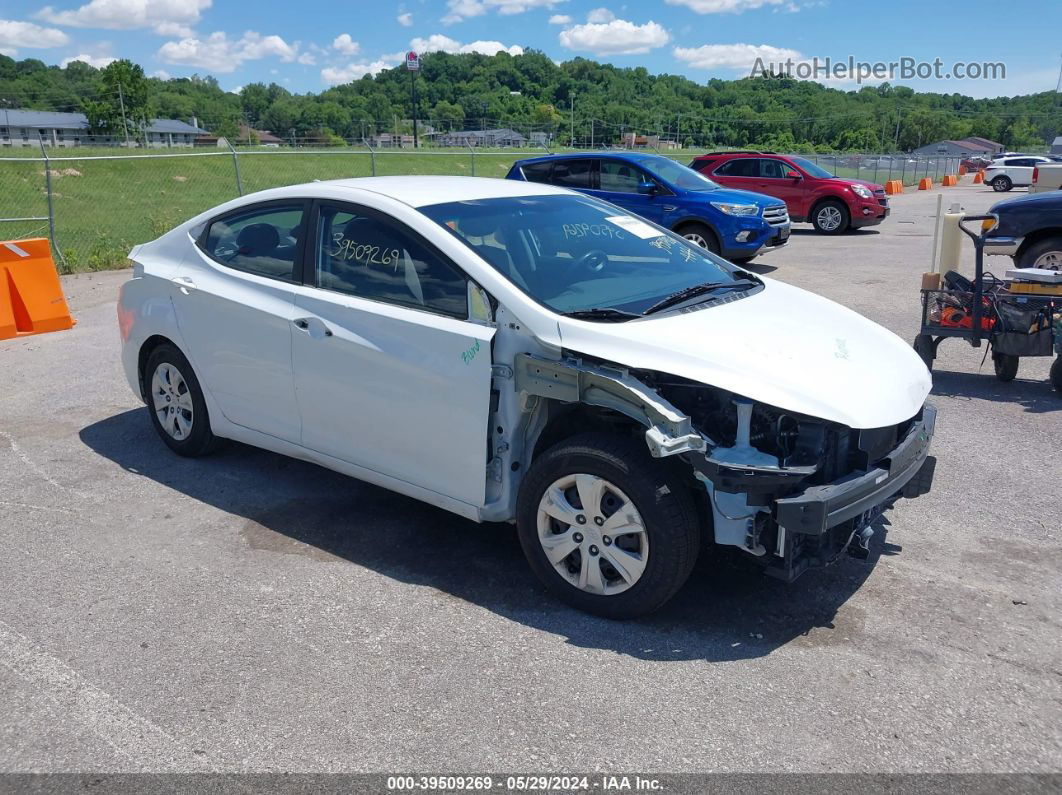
x,y
249,612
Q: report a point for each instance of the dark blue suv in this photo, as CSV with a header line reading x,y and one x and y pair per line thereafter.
x,y
737,224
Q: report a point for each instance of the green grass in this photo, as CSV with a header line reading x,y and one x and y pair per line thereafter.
x,y
104,207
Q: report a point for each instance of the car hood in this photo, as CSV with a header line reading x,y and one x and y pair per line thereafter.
x,y
734,195
1034,201
781,346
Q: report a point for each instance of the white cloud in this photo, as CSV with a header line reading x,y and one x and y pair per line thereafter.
x,y
345,44
560,19
405,20
236,89
598,15
733,56
26,34
161,74
10,52
727,6
307,59
618,37
219,53
355,71
99,61
165,17
463,9
440,43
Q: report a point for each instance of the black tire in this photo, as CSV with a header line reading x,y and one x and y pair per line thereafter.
x,y
1002,183
1056,374
923,345
821,213
1043,248
200,440
1006,366
658,494
705,233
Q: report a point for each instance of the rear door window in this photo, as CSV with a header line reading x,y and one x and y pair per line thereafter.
x,y
741,167
537,172
576,174
263,240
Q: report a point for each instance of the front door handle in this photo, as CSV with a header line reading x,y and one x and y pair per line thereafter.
x,y
669,208
185,283
313,326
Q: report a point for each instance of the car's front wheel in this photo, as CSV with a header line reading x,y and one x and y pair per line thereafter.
x,y
1002,184
1046,254
175,401
700,235
831,217
607,528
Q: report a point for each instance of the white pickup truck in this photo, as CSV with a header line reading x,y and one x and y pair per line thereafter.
x,y
1045,177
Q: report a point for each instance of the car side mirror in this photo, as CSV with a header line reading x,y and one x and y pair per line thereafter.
x,y
648,188
793,175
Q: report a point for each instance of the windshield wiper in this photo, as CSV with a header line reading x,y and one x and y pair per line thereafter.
x,y
607,314
692,292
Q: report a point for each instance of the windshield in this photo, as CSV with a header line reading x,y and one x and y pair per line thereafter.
x,y
811,168
577,254
677,174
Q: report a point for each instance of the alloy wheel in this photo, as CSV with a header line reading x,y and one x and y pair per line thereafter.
x,y
172,401
1049,260
696,239
592,534
829,218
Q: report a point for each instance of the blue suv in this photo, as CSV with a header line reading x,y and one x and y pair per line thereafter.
x,y
737,224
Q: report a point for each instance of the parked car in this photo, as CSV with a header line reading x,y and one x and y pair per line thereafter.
x,y
1029,231
516,352
975,163
734,223
1010,172
811,193
1046,176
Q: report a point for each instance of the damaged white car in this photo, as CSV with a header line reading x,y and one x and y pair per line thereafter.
x,y
516,352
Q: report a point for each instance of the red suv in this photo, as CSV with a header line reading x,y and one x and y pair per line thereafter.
x,y
832,204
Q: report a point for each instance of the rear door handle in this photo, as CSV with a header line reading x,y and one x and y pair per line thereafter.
x,y
185,283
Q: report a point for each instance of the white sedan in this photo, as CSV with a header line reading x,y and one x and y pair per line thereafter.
x,y
516,352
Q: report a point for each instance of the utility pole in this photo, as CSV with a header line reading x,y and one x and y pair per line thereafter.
x,y
591,132
896,143
572,142
121,104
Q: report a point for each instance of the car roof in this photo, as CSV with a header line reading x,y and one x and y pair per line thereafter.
x,y
633,157
418,191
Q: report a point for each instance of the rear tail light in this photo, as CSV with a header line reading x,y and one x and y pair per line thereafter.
x,y
1036,173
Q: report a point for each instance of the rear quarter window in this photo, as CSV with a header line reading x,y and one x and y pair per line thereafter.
x,y
536,172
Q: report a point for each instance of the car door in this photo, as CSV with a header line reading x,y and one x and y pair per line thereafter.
x,y
774,181
618,181
390,373
234,298
1020,169
740,172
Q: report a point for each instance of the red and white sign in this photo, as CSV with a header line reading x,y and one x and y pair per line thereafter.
x,y
412,61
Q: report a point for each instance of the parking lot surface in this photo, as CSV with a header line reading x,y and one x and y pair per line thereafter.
x,y
249,612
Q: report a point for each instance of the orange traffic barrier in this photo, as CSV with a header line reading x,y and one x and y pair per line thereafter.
x,y
949,180
979,177
925,183
894,186
962,169
31,298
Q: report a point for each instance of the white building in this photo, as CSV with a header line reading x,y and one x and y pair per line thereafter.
x,y
30,127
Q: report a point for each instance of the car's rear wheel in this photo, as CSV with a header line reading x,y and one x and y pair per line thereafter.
x,y
1046,254
176,404
1006,366
605,527
1002,184
700,235
831,217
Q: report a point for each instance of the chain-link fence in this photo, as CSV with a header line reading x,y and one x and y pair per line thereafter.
x,y
96,207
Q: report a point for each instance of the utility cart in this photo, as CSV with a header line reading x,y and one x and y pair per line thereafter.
x,y
1016,323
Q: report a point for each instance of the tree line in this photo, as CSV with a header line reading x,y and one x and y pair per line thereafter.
x,y
575,101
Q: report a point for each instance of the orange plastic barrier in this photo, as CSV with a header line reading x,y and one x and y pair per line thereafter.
x,y
894,186
31,298
949,180
925,183
979,177
962,170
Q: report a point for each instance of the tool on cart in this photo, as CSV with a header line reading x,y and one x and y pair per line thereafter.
x,y
1020,316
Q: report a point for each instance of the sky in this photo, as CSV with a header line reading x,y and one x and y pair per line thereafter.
x,y
312,44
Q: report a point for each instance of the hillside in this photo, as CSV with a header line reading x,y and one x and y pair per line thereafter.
x,y
531,92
